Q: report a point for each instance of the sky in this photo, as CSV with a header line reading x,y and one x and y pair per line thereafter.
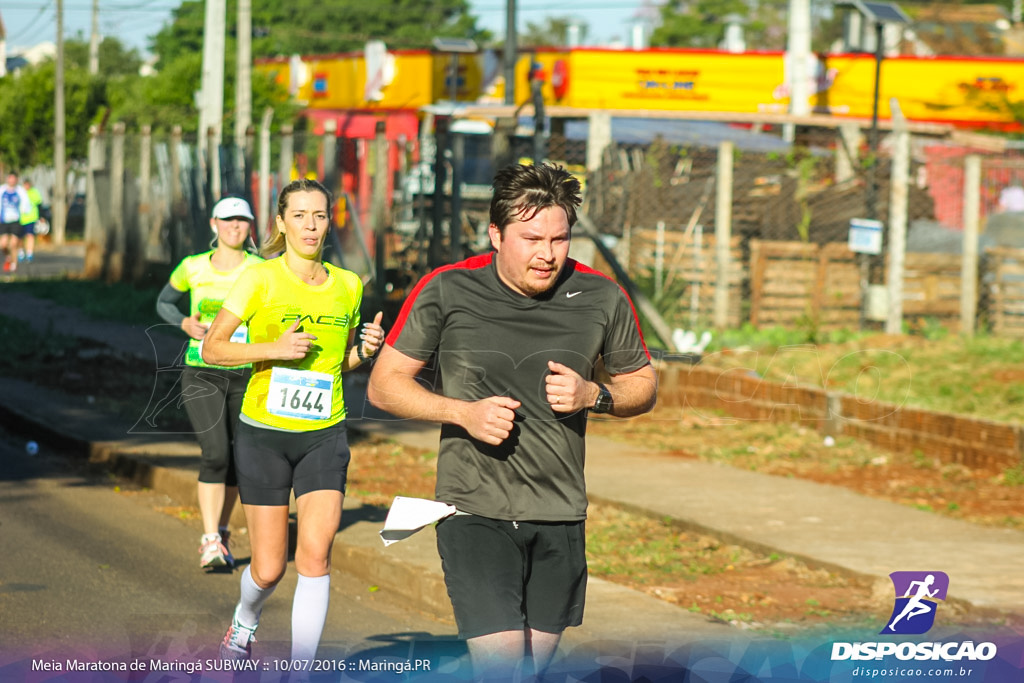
x,y
29,22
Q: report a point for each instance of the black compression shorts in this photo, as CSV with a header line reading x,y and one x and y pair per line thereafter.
x,y
213,400
271,463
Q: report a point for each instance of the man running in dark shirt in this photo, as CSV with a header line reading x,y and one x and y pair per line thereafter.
x,y
517,335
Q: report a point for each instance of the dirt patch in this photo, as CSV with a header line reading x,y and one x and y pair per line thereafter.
x,y
1008,375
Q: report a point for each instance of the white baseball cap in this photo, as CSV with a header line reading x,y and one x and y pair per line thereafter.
x,y
232,207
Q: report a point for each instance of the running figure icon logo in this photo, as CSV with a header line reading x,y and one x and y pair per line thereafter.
x,y
917,596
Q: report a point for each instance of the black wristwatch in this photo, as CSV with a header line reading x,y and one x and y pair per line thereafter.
x,y
604,403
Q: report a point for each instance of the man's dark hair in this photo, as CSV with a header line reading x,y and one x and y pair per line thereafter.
x,y
520,191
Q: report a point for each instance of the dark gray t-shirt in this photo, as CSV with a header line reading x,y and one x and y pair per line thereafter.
x,y
490,340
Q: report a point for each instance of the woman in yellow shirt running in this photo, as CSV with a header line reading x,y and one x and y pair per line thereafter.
x,y
302,315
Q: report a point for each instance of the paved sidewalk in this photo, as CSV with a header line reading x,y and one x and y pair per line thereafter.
x,y
823,525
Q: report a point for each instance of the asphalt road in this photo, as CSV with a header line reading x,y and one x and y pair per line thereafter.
x,y
50,262
93,571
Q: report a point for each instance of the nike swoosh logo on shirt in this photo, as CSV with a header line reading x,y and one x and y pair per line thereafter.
x,y
569,295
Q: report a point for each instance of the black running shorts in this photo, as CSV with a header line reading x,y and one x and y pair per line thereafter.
x,y
504,576
270,463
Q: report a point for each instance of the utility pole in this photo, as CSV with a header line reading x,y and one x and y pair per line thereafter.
x,y
798,52
94,40
58,200
243,74
211,104
509,56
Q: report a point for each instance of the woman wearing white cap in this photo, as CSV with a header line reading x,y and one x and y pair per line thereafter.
x,y
212,395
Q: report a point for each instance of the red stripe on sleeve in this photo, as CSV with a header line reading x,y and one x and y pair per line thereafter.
x,y
471,263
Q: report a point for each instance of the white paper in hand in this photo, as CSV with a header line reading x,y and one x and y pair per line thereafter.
x,y
409,515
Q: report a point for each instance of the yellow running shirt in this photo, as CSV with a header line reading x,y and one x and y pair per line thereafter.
x,y
207,287
297,395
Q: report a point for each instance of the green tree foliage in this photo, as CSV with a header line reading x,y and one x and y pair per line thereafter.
x,y
114,58
702,23
164,100
318,27
167,99
27,118
698,24
827,33
554,32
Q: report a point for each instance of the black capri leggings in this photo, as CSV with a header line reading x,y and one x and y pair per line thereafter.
x,y
213,402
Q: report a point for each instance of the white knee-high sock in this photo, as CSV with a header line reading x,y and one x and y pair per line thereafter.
x,y
253,597
309,612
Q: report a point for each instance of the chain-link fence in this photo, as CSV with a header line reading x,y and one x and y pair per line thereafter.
x,y
788,224
714,236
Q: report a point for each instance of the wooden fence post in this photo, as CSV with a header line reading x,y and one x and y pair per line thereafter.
x,y
249,164
379,219
329,155
263,209
756,281
95,228
659,260
846,152
501,145
287,158
898,189
599,137
213,169
115,267
723,234
149,227
179,212
969,266
455,210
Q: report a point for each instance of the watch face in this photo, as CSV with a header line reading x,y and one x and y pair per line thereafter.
x,y
604,401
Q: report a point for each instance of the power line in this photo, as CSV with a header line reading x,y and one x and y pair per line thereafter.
x,y
112,9
36,18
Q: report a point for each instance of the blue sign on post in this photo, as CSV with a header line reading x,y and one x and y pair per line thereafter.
x,y
866,236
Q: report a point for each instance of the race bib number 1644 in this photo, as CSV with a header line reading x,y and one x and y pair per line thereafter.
x,y
300,394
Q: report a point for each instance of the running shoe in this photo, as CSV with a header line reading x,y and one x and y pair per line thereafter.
x,y
21,254
212,552
30,257
238,640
